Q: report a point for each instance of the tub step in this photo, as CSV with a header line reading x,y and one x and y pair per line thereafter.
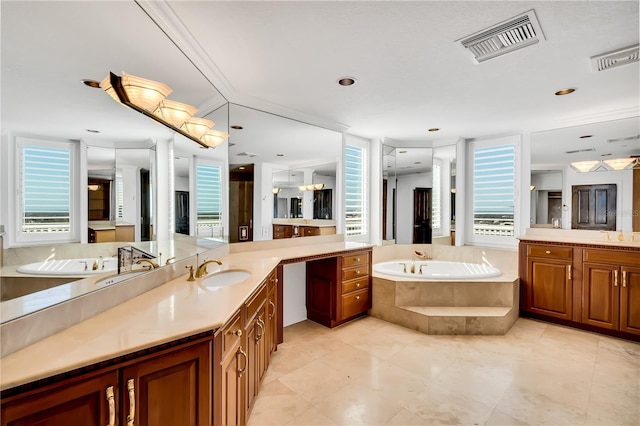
x,y
460,311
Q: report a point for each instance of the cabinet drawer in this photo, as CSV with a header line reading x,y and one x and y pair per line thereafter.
x,y
355,259
618,257
357,284
554,252
254,303
355,303
307,231
355,272
231,333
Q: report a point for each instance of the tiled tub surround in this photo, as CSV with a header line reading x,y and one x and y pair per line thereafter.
x,y
170,311
479,306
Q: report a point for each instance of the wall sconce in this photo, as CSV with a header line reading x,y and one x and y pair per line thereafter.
x,y
276,191
94,187
148,97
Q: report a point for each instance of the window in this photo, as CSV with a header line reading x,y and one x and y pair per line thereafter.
x,y
436,194
209,200
355,191
119,195
493,189
45,176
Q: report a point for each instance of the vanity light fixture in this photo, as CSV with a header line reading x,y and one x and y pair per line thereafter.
x,y
586,166
148,97
275,191
621,163
94,187
566,91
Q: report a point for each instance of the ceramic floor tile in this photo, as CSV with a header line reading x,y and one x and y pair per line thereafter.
x,y
372,372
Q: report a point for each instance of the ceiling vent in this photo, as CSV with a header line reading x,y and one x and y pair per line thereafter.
x,y
575,151
247,154
616,58
627,139
518,32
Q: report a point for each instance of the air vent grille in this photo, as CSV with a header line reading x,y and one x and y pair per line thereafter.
x,y
627,139
247,154
575,151
521,31
616,58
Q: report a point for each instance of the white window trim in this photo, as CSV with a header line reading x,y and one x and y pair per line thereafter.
x,y
490,240
437,230
26,239
364,144
224,183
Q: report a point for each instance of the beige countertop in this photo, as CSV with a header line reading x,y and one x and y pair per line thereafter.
x,y
315,223
586,237
171,311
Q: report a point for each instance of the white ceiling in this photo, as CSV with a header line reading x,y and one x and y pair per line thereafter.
x,y
285,58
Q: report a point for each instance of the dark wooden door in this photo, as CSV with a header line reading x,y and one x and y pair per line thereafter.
x,y
422,216
600,295
594,207
171,389
241,203
549,287
146,233
182,212
81,402
630,300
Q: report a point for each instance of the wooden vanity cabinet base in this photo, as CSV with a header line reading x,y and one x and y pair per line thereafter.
x,y
339,288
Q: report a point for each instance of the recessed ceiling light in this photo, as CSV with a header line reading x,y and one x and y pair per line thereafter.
x,y
565,91
605,155
92,131
347,81
402,152
241,168
237,127
280,155
586,136
417,162
434,129
91,83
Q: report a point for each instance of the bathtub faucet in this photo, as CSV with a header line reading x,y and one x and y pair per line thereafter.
x,y
413,266
96,263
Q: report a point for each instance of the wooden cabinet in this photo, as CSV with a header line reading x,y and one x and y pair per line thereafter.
x,y
230,364
581,285
170,387
311,231
339,288
282,231
548,282
84,400
611,290
243,352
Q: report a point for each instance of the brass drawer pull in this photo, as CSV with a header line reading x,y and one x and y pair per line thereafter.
x,y
357,272
357,284
112,406
569,272
260,324
624,278
273,312
237,333
357,297
132,402
244,354
357,259
615,278
548,251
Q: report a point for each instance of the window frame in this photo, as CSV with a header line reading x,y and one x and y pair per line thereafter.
x,y
362,145
436,197
510,241
223,200
37,238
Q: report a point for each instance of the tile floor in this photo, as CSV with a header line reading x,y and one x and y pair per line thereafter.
x,y
371,372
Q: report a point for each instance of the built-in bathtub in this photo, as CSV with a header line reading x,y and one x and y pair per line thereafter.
x,y
463,290
436,269
71,267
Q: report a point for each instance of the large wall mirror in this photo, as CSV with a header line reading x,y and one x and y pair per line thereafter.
x,y
293,173
418,194
554,180
120,143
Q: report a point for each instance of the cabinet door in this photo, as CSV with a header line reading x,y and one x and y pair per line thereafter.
x,y
549,287
272,319
600,295
170,389
630,300
256,358
230,398
86,402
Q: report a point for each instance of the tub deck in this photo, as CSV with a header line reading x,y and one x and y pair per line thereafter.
x,y
481,306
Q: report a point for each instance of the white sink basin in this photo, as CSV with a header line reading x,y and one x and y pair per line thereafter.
x,y
226,278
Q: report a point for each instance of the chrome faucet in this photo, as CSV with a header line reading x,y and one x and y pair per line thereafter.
x,y
152,263
202,269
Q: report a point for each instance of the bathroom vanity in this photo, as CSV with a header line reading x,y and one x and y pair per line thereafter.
x,y
182,353
591,284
